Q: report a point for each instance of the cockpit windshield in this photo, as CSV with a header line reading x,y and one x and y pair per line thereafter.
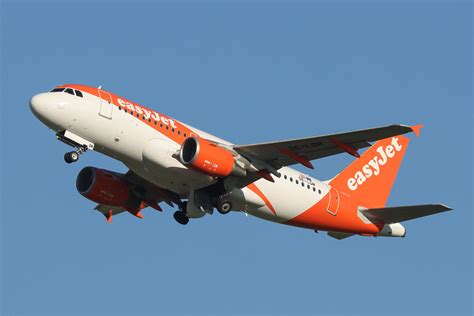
x,y
68,90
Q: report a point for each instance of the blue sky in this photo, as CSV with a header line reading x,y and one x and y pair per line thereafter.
x,y
247,72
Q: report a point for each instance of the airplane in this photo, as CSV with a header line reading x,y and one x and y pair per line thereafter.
x,y
171,162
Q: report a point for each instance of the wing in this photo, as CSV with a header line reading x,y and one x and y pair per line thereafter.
x,y
109,211
289,152
148,195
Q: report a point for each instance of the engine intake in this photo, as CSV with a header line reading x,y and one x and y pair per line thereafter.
x,y
209,158
104,187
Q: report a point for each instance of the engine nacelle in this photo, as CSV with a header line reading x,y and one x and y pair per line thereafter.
x,y
209,158
104,187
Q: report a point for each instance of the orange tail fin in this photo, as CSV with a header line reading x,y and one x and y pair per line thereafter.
x,y
369,179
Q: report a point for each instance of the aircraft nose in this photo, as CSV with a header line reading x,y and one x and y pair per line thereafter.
x,y
38,105
47,108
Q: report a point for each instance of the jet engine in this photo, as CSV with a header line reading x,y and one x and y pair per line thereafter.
x,y
209,158
105,187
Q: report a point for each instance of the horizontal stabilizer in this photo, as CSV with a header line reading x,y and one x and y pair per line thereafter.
x,y
389,215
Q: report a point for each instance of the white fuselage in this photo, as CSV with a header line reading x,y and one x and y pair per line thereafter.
x,y
153,155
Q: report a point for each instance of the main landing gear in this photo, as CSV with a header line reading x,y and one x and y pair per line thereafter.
x,y
223,204
224,207
180,216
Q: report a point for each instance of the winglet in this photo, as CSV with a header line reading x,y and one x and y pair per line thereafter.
x,y
416,129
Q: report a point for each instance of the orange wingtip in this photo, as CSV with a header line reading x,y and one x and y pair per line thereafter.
x,y
139,215
416,129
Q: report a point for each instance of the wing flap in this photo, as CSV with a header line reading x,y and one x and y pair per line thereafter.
x,y
389,215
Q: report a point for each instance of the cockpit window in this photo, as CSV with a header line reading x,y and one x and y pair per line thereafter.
x,y
69,90
78,93
57,90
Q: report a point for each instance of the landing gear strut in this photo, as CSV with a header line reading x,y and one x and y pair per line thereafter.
x,y
180,216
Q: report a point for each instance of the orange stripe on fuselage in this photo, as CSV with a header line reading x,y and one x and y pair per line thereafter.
x,y
164,124
257,191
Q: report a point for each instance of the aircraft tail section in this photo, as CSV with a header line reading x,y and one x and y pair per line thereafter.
x,y
369,179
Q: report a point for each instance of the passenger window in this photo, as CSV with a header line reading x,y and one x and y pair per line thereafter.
x,y
78,93
314,189
69,90
291,179
57,90
179,132
296,181
184,134
319,191
302,184
308,186
285,176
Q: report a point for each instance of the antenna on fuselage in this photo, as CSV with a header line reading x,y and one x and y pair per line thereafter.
x,y
100,87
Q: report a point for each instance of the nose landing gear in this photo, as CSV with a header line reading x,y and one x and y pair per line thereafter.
x,y
76,141
73,156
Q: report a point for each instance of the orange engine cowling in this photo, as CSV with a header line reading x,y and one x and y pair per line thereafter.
x,y
104,187
209,158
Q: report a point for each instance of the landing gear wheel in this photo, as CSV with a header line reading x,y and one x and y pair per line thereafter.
x,y
71,157
224,207
181,217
